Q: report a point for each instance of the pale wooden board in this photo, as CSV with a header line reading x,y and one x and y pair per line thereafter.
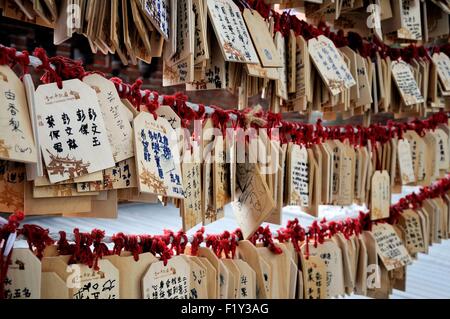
x,y
262,39
12,186
16,134
234,48
406,83
23,280
120,132
324,54
53,287
158,11
33,169
54,206
250,211
380,195
102,284
131,273
151,178
71,112
176,268
390,248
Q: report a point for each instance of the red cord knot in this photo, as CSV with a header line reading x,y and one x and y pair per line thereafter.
x,y
263,8
418,126
273,119
315,231
59,68
135,94
201,112
7,55
168,100
240,120
7,228
238,234
13,222
185,113
63,246
182,241
197,240
225,244
265,236
333,228
159,247
119,243
212,241
100,248
282,236
134,245
23,59
123,89
151,102
37,238
350,228
273,123
365,221
50,75
82,249
324,227
220,119
296,233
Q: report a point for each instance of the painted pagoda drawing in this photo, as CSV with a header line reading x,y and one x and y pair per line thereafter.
x,y
170,73
4,149
235,53
200,84
11,198
65,165
150,180
211,214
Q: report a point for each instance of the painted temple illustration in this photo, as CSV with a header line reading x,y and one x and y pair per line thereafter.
x,y
65,165
150,180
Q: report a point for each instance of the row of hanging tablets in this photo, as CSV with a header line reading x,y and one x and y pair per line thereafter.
x,y
369,263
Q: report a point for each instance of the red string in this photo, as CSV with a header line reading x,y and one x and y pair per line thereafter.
x,y
82,253
50,74
133,246
64,68
119,243
159,247
58,68
63,246
180,107
220,119
136,97
223,245
7,55
294,232
201,112
169,100
150,100
212,242
5,231
37,238
265,236
100,248
197,240
181,240
23,60
123,89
